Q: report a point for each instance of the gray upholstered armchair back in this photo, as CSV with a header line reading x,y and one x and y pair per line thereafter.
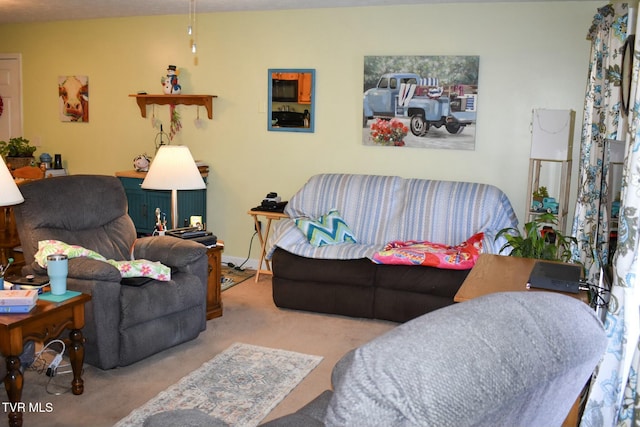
x,y
90,212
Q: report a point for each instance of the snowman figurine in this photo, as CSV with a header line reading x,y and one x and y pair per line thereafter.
x,y
170,82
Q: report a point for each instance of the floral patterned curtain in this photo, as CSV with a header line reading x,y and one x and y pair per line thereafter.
x,y
601,122
613,397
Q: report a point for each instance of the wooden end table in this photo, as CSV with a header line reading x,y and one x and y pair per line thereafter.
x,y
214,298
269,216
498,273
44,323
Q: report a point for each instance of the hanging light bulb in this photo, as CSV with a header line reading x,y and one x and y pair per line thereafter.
x,y
195,30
192,31
190,26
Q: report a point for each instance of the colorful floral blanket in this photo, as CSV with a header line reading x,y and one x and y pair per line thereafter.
x,y
412,252
133,268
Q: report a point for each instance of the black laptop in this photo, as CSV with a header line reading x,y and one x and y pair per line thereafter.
x,y
555,276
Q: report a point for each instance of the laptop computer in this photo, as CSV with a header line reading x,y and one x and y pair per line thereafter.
x,y
555,276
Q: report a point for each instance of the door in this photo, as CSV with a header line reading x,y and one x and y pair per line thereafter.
x,y
11,95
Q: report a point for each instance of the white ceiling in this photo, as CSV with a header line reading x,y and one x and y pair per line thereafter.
x,y
14,11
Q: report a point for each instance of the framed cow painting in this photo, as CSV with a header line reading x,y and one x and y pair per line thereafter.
x,y
73,94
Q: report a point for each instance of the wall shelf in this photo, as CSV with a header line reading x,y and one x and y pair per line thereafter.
x,y
204,100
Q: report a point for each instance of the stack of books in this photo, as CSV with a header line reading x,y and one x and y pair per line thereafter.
x,y
18,300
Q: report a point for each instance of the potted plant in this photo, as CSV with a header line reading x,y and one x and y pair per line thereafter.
x,y
17,152
539,240
538,198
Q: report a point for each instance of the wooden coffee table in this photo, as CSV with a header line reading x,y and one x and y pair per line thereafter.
x,y
497,273
43,324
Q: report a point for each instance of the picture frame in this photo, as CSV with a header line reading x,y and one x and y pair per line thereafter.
x,y
420,101
291,99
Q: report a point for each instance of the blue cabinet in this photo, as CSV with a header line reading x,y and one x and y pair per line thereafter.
x,y
143,203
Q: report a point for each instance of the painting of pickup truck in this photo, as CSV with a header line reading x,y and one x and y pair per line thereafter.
x,y
434,98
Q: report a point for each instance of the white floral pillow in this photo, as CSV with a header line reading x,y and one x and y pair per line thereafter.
x,y
132,268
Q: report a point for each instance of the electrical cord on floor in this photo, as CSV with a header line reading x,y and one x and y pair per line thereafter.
x,y
239,267
52,368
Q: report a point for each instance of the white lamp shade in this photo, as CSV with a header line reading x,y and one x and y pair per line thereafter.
x,y
9,193
173,168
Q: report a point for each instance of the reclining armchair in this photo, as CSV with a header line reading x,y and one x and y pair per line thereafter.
x,y
123,323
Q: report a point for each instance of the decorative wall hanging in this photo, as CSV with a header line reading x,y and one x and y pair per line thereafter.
x,y
176,124
73,92
1,106
425,102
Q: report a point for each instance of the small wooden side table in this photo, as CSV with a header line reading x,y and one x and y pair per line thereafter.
x,y
269,216
44,323
498,273
214,299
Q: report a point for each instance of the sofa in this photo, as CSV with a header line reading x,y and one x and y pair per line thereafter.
x,y
341,278
127,319
463,365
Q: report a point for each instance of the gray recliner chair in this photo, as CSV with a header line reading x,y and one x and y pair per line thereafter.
x,y
123,323
505,359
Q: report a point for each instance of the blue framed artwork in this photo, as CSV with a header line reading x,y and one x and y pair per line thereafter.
x,y
291,99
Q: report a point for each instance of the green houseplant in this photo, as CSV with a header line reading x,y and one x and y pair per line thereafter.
x,y
539,240
17,151
16,147
541,193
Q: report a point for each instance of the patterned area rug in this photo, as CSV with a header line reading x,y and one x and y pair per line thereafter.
x,y
239,386
232,277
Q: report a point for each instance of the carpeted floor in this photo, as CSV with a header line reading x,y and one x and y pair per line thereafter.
x,y
239,386
249,316
233,276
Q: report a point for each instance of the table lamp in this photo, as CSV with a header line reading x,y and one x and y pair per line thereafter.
x,y
173,168
9,193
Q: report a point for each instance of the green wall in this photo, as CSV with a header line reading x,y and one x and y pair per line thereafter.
x,y
532,55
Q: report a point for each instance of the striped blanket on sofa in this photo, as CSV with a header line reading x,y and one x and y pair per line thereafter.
x,y
381,209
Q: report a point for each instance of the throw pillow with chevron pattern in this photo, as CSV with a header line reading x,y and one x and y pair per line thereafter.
x,y
329,229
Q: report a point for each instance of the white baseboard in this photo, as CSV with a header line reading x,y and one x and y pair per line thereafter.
x,y
251,263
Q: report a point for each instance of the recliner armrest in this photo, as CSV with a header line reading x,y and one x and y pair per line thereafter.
x,y
84,269
170,251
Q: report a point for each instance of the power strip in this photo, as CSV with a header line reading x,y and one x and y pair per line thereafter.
x,y
53,366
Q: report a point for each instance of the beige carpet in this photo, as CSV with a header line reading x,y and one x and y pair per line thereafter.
x,y
249,317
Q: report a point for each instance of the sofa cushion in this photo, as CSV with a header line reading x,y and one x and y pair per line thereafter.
x,y
153,300
329,229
